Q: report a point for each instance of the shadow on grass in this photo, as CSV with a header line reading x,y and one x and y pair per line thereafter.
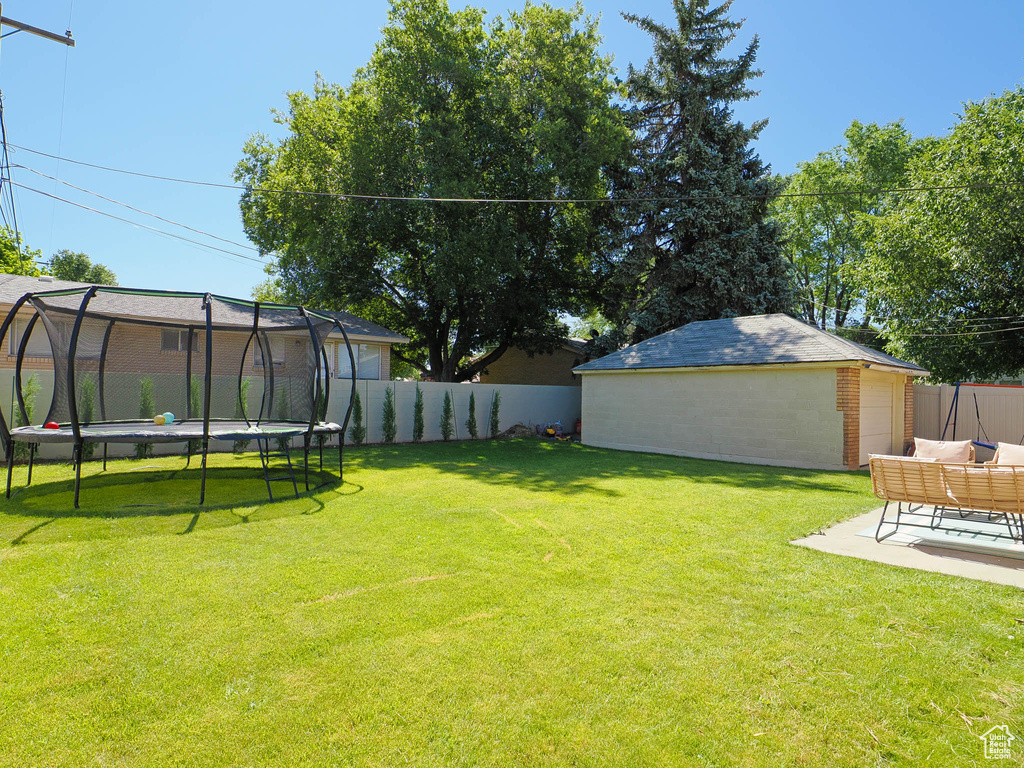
x,y
571,468
156,499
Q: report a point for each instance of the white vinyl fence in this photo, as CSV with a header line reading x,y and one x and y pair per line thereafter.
x,y
519,404
1001,411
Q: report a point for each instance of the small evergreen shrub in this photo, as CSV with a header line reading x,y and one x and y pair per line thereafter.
x,y
29,391
86,410
417,416
357,433
147,410
283,411
195,403
321,415
242,412
495,406
389,427
471,421
447,414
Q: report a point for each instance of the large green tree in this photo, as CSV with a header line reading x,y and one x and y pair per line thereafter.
x,y
71,265
826,216
948,263
695,242
16,258
448,107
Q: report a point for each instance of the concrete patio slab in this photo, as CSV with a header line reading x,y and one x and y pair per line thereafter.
x,y
911,550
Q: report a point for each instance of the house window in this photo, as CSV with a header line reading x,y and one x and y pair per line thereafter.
x,y
38,343
276,351
367,361
173,340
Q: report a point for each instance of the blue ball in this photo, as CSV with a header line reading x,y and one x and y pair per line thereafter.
x,y
168,418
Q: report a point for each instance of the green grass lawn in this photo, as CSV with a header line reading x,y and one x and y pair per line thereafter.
x,y
484,604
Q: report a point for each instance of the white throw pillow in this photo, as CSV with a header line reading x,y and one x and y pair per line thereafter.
x,y
1008,453
948,451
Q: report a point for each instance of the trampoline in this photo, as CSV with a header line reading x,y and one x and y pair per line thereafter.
x,y
227,369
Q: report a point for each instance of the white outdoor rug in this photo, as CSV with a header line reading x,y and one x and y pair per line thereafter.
x,y
974,533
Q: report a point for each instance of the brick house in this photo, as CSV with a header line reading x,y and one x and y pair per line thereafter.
x,y
551,368
371,343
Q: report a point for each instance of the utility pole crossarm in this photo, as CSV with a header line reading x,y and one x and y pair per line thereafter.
x,y
66,38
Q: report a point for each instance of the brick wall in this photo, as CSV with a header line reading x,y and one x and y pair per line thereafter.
x,y
783,416
848,402
517,367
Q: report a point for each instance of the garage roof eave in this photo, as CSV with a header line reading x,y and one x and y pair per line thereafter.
x,y
909,371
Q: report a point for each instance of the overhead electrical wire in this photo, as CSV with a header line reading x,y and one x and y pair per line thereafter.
x,y
143,226
5,175
137,210
970,321
543,201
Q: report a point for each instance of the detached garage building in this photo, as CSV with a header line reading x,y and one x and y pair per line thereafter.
x,y
765,389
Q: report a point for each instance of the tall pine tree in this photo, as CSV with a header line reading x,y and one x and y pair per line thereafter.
x,y
695,242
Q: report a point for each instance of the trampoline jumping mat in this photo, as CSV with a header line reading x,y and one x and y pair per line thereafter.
x,y
148,432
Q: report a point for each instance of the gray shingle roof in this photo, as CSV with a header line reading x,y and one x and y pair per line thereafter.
x,y
753,340
13,287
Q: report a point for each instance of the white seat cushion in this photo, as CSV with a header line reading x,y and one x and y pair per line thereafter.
x,y
901,458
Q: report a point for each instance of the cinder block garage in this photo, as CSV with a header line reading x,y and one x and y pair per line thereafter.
x,y
765,389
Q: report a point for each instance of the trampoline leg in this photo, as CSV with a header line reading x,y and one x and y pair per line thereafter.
x,y
9,448
104,457
321,447
31,457
341,458
77,452
291,469
202,487
265,462
305,461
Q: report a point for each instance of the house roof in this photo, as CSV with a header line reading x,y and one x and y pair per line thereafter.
x,y
753,340
13,287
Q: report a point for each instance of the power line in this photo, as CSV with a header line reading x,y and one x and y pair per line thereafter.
x,y
542,201
5,175
971,321
137,210
143,226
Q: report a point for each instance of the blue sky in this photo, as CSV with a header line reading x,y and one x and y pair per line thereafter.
x,y
175,89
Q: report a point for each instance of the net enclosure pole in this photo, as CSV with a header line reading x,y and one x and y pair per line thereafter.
x,y
244,406
327,395
268,376
100,376
18,367
5,432
315,413
208,301
351,401
76,428
18,389
188,375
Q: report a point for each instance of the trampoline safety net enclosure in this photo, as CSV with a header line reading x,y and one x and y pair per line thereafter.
x,y
226,368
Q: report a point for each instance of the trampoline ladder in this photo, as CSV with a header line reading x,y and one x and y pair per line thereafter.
x,y
266,455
